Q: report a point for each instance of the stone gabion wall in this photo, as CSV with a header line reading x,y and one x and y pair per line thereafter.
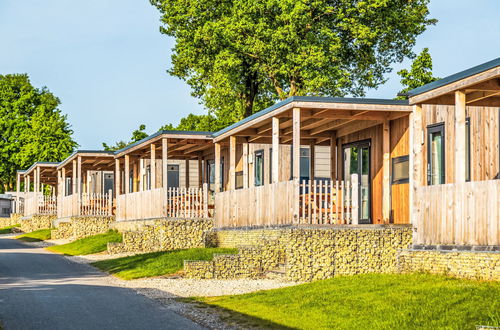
x,y
309,253
233,238
165,235
79,227
464,264
36,222
14,219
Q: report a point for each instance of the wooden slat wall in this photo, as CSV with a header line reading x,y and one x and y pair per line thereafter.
x,y
271,204
484,140
458,214
400,146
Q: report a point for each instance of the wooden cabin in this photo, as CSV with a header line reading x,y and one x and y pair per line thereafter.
x,y
454,159
315,160
168,174
40,189
86,183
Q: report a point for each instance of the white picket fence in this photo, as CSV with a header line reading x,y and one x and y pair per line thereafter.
x,y
38,203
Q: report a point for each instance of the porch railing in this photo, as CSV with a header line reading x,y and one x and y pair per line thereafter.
x,y
93,204
289,202
458,214
161,202
38,203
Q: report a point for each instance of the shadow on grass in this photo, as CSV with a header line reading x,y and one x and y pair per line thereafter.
x,y
233,318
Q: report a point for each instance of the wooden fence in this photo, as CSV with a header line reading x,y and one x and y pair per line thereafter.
x,y
289,202
94,204
458,214
161,202
38,203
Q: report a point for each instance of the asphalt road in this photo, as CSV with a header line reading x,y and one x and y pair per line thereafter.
x,y
41,290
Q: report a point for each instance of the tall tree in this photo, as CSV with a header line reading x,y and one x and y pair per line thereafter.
x,y
32,127
241,55
419,74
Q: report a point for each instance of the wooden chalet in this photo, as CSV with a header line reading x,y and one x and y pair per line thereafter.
x,y
40,189
86,184
455,195
268,171
167,174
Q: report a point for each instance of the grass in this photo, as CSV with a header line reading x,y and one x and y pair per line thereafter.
x,y
8,229
35,236
87,245
374,301
156,263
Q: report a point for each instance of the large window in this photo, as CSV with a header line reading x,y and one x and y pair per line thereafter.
x,y
304,161
259,168
435,154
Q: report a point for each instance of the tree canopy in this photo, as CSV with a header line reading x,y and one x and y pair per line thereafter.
x,y
419,74
137,135
241,56
32,127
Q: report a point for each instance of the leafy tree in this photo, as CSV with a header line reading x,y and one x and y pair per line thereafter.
x,y
137,135
207,123
242,55
32,127
419,74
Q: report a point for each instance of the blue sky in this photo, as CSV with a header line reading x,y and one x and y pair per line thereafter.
x,y
107,61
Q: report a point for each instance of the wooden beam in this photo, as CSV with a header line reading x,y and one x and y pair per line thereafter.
x,y
232,162
79,183
127,174
333,156
460,134
200,171
217,167
117,177
63,178
188,174
416,159
152,166
312,158
245,165
135,175
73,183
478,96
275,161
296,143
358,126
386,185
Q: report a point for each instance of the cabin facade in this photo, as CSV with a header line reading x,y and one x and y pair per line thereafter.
x,y
455,158
39,190
347,151
167,174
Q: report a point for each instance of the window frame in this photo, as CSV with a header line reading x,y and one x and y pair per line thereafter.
x,y
397,160
431,129
256,153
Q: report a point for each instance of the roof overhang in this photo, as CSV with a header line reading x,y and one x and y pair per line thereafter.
x,y
88,154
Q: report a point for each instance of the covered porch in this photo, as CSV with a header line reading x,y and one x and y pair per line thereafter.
x,y
39,189
167,174
455,157
86,184
314,161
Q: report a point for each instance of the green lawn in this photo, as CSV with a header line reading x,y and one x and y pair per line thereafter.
x,y
156,263
375,301
8,229
87,245
35,236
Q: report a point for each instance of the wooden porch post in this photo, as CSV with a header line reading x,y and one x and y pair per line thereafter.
x,y
245,165
232,162
164,162
217,167
26,184
460,134
117,177
416,159
152,166
127,174
386,186
333,156
73,179
312,158
135,175
200,171
276,149
296,144
18,191
36,179
79,182
187,172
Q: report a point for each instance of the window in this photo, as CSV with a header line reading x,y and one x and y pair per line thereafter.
x,y
304,163
211,173
69,187
238,180
401,170
148,178
467,149
259,168
173,176
131,181
435,154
